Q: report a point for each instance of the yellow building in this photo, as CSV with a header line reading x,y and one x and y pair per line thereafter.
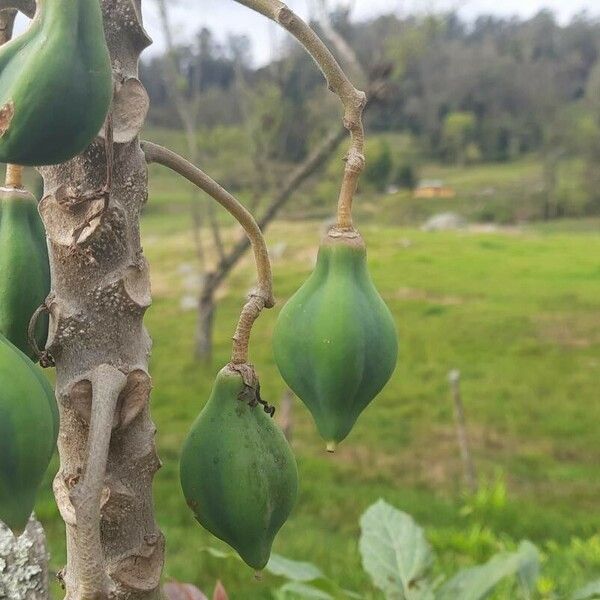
x,y
433,188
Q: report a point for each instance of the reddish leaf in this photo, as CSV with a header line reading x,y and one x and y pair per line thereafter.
x,y
220,593
182,591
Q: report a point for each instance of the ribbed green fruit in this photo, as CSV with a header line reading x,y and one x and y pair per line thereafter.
x,y
48,390
55,84
24,268
238,473
28,435
335,341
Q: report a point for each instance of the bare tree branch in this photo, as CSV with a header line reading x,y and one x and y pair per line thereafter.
x,y
188,115
171,72
301,174
311,165
353,100
339,43
216,232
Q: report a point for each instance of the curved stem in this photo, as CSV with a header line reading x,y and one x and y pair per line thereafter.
x,y
14,176
354,100
262,297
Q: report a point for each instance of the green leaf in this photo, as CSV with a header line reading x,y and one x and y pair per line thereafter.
x,y
529,570
395,552
303,572
300,591
476,583
590,591
292,569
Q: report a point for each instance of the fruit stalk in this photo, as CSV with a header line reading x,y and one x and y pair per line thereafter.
x,y
262,296
14,176
353,100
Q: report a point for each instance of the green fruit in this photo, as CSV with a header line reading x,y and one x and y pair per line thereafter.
x,y
24,268
238,473
48,390
335,341
55,84
27,436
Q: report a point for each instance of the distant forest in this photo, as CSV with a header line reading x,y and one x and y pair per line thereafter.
x,y
488,90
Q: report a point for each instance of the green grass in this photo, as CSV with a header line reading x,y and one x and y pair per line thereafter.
x,y
516,312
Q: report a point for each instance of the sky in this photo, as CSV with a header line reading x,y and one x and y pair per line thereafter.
x,y
226,16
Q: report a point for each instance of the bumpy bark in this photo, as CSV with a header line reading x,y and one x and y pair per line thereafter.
x,y
24,564
100,292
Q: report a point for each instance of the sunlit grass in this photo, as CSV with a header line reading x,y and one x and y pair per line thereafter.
x,y
516,312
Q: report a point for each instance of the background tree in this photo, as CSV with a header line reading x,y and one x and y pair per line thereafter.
x,y
264,109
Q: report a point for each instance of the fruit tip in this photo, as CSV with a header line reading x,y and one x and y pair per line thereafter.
x,y
331,447
258,575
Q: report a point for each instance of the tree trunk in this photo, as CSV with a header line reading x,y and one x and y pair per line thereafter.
x,y
205,321
24,564
100,292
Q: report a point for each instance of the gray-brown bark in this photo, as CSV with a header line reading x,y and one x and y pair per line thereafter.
x,y
24,564
205,321
100,292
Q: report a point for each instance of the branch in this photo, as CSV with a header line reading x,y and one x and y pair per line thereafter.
x,y
107,384
353,100
14,176
216,232
263,296
340,44
171,73
186,110
315,160
301,174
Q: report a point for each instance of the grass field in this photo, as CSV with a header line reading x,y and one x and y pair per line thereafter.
x,y
517,311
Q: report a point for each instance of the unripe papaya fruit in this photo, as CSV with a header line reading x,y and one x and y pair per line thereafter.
x,y
27,436
48,390
24,268
335,341
238,473
55,84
